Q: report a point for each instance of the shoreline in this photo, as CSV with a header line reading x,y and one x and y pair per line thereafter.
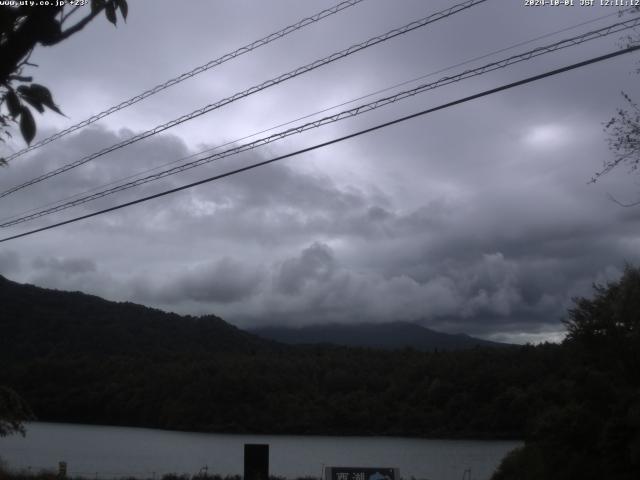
x,y
485,438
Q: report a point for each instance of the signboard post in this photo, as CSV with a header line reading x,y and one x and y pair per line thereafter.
x,y
256,462
361,473
62,470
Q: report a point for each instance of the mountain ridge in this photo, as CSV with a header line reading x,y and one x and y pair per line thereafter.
x,y
82,359
387,336
82,321
60,322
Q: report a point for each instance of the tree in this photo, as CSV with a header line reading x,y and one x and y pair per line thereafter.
x,y
613,314
624,141
594,429
624,137
624,127
607,326
22,28
13,412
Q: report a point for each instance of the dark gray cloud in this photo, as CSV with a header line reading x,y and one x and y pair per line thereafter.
x,y
70,273
300,247
315,264
476,219
222,281
9,262
65,266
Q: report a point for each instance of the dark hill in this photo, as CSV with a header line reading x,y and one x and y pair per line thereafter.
x,y
79,358
39,322
390,336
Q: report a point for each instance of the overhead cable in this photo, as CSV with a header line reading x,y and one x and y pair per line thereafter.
x,y
331,142
192,73
352,112
304,117
257,88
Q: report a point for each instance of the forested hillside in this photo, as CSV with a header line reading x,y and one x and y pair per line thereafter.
x,y
42,323
77,358
591,431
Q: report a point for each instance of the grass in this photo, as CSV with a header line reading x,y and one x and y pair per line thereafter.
x,y
10,474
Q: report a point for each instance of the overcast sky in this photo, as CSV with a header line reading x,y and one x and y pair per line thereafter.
x,y
476,219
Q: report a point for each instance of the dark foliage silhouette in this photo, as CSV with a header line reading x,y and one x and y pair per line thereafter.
x,y
592,431
13,412
23,28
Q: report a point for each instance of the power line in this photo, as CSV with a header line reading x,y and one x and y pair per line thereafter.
x,y
304,117
257,88
615,28
336,140
324,110
192,73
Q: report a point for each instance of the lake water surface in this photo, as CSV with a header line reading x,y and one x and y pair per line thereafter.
x,y
97,451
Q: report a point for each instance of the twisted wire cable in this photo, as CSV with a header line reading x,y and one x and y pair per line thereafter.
x,y
192,73
358,110
257,88
377,127
304,117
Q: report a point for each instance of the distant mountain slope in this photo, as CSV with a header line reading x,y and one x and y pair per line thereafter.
x,y
79,358
388,336
42,322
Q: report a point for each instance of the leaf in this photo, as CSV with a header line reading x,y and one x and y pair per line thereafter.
x,y
110,11
48,29
13,103
41,95
96,5
124,8
27,125
34,102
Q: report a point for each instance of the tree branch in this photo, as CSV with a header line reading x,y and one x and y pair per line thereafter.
x,y
80,25
618,202
22,40
613,164
68,14
20,78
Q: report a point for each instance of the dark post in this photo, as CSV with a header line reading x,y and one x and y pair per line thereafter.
x,y
62,470
256,462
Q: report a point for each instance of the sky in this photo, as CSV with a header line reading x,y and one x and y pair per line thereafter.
x,y
479,218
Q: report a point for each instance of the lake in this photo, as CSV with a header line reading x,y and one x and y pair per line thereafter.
x,y
107,452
